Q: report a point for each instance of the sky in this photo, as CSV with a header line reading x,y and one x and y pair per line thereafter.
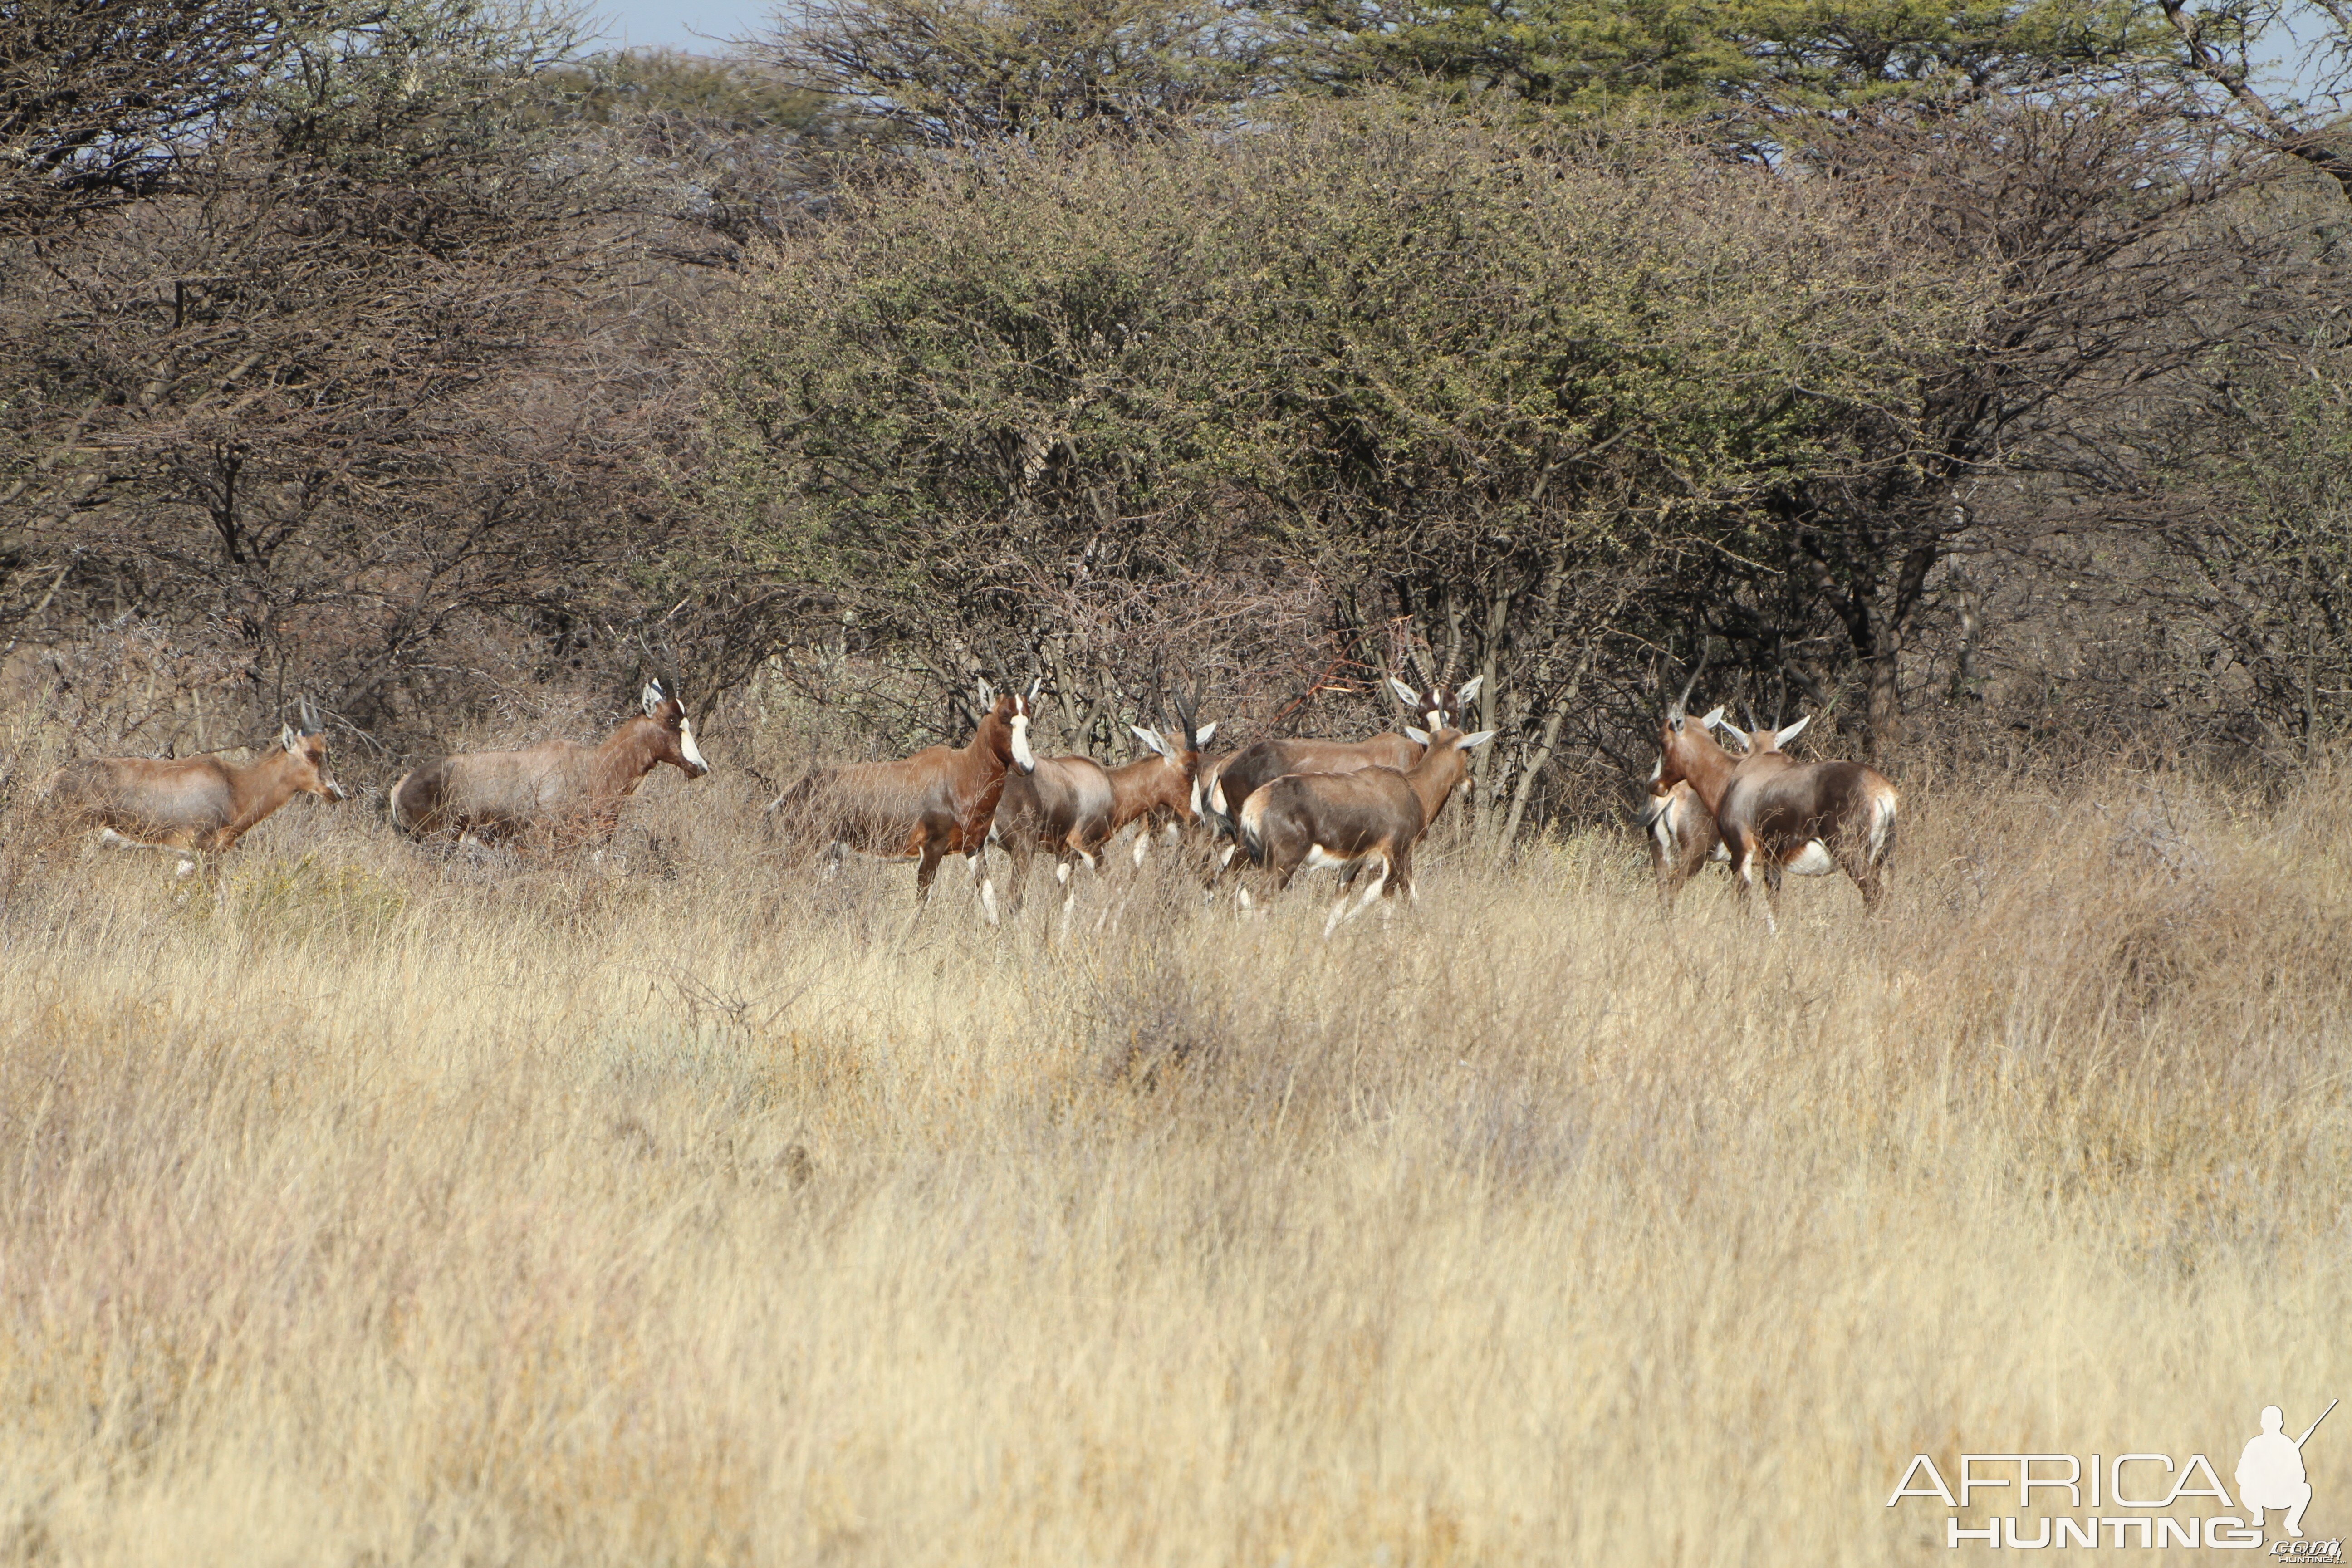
x,y
676,24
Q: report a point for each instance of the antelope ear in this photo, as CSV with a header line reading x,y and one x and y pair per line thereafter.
x,y
1403,693
1036,685
1206,732
1480,739
1712,720
1792,731
1733,733
1469,690
1418,737
289,739
651,698
987,693
1150,739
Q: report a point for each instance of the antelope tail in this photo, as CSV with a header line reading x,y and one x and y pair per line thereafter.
x,y
1883,812
1246,823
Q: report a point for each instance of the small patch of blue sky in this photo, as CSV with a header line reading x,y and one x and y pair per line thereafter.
x,y
698,26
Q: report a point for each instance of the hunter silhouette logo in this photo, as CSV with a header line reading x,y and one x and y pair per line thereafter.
x,y
2126,1500
2270,1472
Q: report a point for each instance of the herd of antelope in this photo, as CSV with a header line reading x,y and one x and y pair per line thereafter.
x,y
1272,807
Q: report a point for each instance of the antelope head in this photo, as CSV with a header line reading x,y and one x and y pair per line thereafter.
x,y
1683,744
676,740
1439,708
307,746
1755,741
1446,753
1014,709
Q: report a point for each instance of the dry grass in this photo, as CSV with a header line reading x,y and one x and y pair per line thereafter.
x,y
383,1208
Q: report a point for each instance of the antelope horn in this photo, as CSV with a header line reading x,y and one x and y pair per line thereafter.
x,y
1682,704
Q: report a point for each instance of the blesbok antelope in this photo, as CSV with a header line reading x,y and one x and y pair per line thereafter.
x,y
1071,807
1778,814
1235,779
939,802
1679,818
558,790
1347,821
196,805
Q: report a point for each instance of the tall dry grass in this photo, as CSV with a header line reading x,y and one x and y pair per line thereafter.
x,y
379,1207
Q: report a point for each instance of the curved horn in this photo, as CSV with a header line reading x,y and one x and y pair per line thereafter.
x,y
1681,704
1188,713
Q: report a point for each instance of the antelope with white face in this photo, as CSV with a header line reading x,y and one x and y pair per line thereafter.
x,y
194,805
939,802
1071,807
1778,814
1345,822
1231,781
558,791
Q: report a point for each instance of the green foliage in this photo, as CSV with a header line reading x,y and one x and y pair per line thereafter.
x,y
1400,345
954,71
1707,56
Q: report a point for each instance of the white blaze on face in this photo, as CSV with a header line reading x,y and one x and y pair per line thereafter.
x,y
1023,758
692,752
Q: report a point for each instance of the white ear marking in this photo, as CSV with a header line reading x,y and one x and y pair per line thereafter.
x,y
1418,737
987,693
1480,739
1206,732
1469,690
1792,731
1404,694
286,737
1715,717
1036,685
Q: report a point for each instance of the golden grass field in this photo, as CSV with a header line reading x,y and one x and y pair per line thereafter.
x,y
383,1207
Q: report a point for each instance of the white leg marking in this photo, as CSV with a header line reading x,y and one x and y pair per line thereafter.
x,y
988,898
1244,902
1062,872
1226,858
1340,910
1142,848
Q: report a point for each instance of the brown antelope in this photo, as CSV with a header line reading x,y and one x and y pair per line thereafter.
x,y
196,805
1236,778
558,790
1072,806
1806,818
1345,821
939,802
1679,818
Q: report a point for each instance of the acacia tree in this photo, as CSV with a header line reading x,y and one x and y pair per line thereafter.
x,y
1497,387
360,393
965,72
2122,255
